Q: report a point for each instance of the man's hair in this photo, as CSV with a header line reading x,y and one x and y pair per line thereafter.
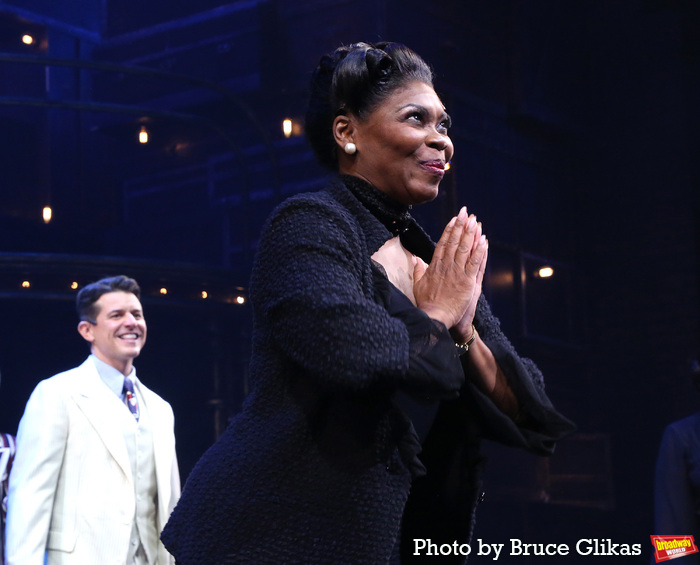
x,y
90,294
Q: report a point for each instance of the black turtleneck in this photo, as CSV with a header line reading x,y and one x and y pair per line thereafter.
x,y
395,216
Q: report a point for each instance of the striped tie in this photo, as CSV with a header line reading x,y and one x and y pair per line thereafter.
x,y
130,397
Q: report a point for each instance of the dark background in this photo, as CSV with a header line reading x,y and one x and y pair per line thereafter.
x,y
576,145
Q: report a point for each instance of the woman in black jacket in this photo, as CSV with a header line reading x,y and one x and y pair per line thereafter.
x,y
377,366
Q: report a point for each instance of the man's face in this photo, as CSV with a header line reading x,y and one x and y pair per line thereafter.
x,y
118,333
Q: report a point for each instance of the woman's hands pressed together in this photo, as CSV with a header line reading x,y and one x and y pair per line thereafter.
x,y
449,288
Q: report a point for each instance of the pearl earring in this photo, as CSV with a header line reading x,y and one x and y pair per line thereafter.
x,y
350,148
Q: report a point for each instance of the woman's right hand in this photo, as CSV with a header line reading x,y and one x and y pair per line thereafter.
x,y
446,288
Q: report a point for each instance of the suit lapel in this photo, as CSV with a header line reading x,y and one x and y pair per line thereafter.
x,y
163,448
103,410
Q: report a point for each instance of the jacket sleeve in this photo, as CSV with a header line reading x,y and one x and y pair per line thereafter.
x,y
167,558
314,287
41,439
540,425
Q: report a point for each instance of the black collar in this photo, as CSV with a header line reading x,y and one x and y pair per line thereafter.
x,y
393,214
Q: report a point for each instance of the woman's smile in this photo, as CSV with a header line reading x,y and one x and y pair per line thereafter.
x,y
403,145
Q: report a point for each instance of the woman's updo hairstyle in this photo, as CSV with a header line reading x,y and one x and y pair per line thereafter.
x,y
355,79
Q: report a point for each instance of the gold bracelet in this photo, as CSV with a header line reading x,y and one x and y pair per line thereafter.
x,y
464,347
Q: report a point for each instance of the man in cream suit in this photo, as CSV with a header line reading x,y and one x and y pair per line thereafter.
x,y
94,479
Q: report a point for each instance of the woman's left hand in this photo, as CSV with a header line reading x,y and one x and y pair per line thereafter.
x,y
462,331
449,288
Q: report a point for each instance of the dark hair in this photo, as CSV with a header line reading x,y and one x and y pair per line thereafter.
x,y
90,294
355,79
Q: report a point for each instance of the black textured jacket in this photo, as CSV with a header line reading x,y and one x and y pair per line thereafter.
x,y
318,466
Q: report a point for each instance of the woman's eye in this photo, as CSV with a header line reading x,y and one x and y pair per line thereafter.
x,y
416,116
445,124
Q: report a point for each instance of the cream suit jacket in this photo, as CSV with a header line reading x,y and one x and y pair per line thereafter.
x,y
71,491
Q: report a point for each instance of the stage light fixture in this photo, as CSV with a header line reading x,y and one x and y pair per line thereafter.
x,y
143,135
47,214
27,39
545,272
287,126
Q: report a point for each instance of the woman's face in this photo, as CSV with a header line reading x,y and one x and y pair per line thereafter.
x,y
402,146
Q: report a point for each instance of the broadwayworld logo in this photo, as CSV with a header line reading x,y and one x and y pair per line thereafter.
x,y
670,547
